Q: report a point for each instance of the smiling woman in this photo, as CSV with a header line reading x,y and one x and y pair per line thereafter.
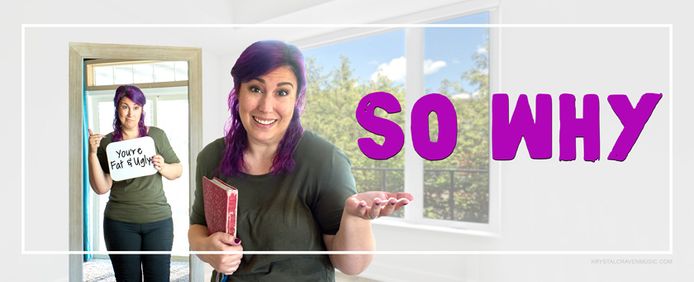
x,y
296,190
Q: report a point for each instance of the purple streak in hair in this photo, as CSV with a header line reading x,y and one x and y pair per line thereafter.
x,y
135,94
258,59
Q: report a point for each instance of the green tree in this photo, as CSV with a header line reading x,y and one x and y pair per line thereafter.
x,y
332,98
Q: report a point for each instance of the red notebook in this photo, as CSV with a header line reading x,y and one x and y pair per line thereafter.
x,y
221,201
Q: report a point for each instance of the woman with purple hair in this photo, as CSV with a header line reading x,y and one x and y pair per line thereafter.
x,y
137,216
296,190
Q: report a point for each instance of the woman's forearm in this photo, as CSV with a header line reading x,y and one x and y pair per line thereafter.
x,y
171,171
100,182
355,234
197,234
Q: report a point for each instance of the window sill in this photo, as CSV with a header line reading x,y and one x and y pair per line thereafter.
x,y
400,223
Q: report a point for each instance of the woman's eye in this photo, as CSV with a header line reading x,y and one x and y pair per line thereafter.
x,y
255,89
282,92
124,107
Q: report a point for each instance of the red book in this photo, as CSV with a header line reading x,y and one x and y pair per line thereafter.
x,y
221,201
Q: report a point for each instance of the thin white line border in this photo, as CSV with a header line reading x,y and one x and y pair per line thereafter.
x,y
492,252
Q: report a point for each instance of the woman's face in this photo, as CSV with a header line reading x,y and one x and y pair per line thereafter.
x,y
129,113
266,105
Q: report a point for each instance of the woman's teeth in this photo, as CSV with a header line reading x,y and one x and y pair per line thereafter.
x,y
264,121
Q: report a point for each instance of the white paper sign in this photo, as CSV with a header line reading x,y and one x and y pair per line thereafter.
x,y
131,158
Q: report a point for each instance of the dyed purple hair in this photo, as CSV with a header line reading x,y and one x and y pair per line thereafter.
x,y
135,94
258,59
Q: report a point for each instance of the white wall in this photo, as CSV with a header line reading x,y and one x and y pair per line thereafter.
x,y
525,183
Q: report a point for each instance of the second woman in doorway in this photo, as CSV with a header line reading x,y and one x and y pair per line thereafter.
x,y
137,216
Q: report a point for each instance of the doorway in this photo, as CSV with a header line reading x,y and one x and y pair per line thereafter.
x,y
170,78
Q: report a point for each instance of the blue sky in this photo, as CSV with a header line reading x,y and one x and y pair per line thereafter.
x,y
447,51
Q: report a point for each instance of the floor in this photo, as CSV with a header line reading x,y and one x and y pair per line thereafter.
x,y
100,270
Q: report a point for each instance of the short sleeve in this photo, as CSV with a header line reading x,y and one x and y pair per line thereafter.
x,y
336,185
206,163
101,155
164,148
197,213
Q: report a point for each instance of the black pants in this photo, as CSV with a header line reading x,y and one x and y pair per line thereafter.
x,y
155,236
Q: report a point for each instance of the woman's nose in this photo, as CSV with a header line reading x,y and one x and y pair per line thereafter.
x,y
265,103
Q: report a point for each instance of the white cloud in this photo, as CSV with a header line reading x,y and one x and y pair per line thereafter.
x,y
395,69
481,50
431,66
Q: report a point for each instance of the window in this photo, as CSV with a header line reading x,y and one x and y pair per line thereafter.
x,y
455,191
118,73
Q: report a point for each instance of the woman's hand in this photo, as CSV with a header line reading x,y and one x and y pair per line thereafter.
x,y
100,181
94,141
374,204
158,162
226,263
170,171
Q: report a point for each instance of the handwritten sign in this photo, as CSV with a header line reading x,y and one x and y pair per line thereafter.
x,y
131,158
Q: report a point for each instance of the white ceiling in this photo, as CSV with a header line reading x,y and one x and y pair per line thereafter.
x,y
258,11
316,14
229,39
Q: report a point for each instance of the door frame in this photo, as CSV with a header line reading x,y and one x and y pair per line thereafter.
x,y
78,52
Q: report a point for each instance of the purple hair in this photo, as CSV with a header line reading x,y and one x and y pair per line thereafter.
x,y
135,94
258,59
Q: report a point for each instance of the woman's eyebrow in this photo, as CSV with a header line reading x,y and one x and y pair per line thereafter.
x,y
258,79
278,84
285,83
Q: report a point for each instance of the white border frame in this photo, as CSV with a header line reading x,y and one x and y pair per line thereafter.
x,y
501,26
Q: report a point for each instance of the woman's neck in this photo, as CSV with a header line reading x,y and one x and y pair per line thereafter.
x,y
258,158
130,133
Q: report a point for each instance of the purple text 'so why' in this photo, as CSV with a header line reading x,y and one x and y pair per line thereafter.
x,y
508,128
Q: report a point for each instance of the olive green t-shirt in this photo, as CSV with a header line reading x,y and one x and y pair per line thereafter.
x,y
285,212
139,200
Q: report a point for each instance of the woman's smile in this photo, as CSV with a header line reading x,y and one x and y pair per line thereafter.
x,y
264,121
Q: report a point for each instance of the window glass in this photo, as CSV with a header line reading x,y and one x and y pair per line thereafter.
x,y
123,74
103,75
164,71
138,72
339,75
143,73
456,65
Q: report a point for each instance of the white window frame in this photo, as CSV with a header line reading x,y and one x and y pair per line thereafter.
x,y
414,89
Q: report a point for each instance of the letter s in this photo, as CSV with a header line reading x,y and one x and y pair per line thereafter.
x,y
394,138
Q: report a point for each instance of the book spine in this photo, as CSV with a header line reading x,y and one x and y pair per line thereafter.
x,y
229,213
